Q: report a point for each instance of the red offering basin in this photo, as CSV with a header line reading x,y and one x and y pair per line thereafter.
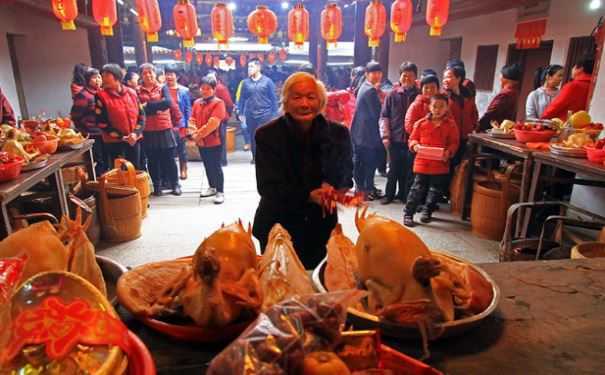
x,y
192,333
47,147
525,136
140,361
12,170
595,155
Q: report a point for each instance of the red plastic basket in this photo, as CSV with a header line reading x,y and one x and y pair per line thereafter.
x,y
12,170
525,136
595,155
47,147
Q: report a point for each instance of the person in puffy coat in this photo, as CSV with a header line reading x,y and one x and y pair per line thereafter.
x,y
436,130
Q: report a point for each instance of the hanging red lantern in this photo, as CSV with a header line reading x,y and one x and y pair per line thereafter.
x,y
222,23
188,57
261,57
216,61
375,22
185,22
105,14
271,58
243,60
298,25
66,11
283,54
199,58
149,18
437,12
262,22
208,59
401,19
178,54
331,23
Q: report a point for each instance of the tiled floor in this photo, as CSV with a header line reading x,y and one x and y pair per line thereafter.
x,y
175,226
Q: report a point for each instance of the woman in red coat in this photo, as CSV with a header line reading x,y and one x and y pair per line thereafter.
x,y
574,95
437,130
429,86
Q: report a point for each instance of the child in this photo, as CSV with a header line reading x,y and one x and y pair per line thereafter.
x,y
429,86
437,129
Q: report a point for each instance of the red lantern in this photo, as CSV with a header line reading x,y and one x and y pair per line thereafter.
x,y
243,60
199,58
283,54
222,23
66,11
208,59
185,22
188,57
271,58
105,14
178,54
149,18
375,22
298,25
437,12
401,19
262,22
216,61
261,57
331,23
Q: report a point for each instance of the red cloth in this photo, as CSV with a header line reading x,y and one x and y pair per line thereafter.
x,y
444,135
573,97
201,113
222,92
162,119
121,110
418,110
340,107
465,116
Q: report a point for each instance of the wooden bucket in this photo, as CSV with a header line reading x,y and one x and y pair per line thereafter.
x,y
124,174
120,212
491,200
457,186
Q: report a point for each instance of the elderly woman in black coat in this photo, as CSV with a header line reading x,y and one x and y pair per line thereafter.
x,y
296,155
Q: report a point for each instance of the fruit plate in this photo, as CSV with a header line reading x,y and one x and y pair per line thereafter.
x,y
500,135
363,320
136,289
34,165
571,152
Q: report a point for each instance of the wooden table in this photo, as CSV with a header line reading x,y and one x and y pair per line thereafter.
x,y
510,147
550,320
12,189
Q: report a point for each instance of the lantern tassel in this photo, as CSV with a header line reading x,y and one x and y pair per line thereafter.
x,y
152,37
400,37
106,30
188,43
373,43
69,25
436,27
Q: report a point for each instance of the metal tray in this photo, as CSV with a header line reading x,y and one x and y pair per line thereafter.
x,y
363,320
500,135
35,165
567,151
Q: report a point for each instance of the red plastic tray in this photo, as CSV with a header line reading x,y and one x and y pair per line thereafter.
x,y
525,136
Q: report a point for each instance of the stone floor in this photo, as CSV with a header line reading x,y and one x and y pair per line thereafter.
x,y
175,226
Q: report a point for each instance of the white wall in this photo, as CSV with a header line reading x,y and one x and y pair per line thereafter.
x,y
46,56
567,19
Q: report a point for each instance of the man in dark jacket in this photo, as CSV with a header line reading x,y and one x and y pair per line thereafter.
x,y
257,101
394,137
365,134
504,105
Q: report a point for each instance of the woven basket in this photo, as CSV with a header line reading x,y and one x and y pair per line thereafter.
x,y
124,174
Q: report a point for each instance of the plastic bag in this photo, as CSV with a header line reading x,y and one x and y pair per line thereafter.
x,y
277,342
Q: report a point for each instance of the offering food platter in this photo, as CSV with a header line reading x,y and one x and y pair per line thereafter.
x,y
572,152
500,134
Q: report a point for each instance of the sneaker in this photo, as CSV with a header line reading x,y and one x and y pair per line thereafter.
x,y
386,201
425,216
219,198
208,192
177,190
246,147
157,191
408,221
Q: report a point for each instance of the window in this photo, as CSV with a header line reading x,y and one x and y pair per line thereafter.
x,y
485,67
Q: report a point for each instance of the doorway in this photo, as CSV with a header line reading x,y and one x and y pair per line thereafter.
x,y
13,41
529,60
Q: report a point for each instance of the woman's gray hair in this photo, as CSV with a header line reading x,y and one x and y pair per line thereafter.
x,y
146,66
300,77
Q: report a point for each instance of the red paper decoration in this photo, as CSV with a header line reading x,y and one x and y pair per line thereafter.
x,y
262,22
298,25
185,22
105,14
178,54
66,11
188,57
149,18
437,13
529,34
401,19
243,60
199,58
331,23
222,23
208,59
283,54
375,22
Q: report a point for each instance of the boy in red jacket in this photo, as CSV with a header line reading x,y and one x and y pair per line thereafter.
x,y
438,132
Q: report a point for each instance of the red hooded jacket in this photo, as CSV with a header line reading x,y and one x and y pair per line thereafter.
x,y
418,110
573,97
161,111
426,133
465,114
